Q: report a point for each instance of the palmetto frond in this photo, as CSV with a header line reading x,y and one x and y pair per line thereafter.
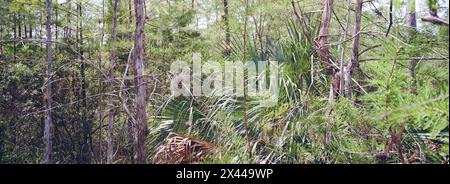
x,y
181,149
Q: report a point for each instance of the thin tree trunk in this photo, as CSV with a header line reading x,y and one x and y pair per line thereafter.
x,y
110,102
25,31
1,53
20,28
145,12
69,7
100,84
130,19
138,58
412,24
354,53
247,129
56,21
40,24
30,32
48,96
129,122
323,51
192,8
14,38
14,43
87,127
227,27
344,47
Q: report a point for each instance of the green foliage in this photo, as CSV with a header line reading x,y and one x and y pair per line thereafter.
x,y
305,126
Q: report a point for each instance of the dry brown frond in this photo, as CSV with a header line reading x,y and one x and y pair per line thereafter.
x,y
181,149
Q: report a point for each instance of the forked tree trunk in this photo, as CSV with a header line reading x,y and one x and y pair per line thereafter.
x,y
138,59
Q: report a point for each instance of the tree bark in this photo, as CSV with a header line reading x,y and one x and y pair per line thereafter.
x,y
343,47
20,28
30,32
245,108
69,29
227,27
130,19
1,48
14,43
322,49
86,123
354,54
100,87
129,122
48,96
56,21
138,58
111,71
25,31
412,24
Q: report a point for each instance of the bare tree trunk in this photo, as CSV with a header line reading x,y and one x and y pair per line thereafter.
x,y
69,7
87,125
145,12
30,31
25,31
129,122
20,28
41,24
412,18
130,19
259,29
111,71
354,53
344,48
227,27
14,43
323,51
1,49
247,129
412,24
56,21
193,8
138,58
100,84
14,38
48,96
